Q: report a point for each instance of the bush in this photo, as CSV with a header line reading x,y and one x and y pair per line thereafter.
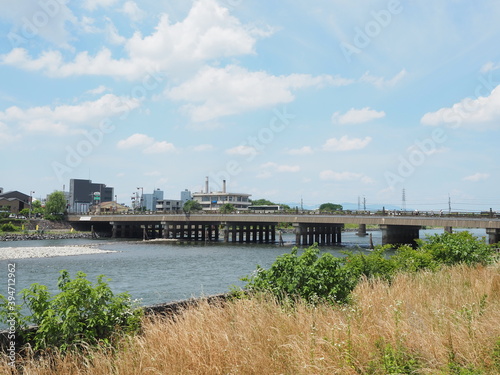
x,y
315,278
459,247
308,276
8,227
81,314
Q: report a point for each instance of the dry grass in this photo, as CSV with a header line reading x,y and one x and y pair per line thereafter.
x,y
424,323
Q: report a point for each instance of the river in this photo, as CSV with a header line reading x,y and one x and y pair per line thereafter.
x,y
161,272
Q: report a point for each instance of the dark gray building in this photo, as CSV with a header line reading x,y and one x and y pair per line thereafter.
x,y
84,193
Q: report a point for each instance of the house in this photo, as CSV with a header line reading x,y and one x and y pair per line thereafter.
x,y
14,201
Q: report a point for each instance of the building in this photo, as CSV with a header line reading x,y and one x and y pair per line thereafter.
x,y
186,196
111,208
169,205
13,201
149,201
212,201
84,193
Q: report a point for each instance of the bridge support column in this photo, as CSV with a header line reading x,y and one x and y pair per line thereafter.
x,y
399,234
493,235
448,229
361,230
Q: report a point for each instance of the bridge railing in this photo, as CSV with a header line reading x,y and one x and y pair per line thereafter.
x,y
469,215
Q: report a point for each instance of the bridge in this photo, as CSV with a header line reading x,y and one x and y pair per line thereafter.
x,y
261,228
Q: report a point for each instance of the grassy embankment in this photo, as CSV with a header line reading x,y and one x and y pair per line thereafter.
x,y
421,323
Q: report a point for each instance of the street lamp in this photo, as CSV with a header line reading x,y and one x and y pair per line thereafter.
x,y
142,194
31,199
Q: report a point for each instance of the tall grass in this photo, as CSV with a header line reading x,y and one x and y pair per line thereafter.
x,y
422,323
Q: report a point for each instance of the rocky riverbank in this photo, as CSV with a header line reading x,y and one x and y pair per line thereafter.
x,y
43,236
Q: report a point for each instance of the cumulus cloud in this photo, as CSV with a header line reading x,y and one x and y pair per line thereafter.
x,y
357,116
477,177
345,143
480,113
208,32
381,82
329,175
132,10
216,92
63,119
40,19
242,150
306,150
148,144
94,4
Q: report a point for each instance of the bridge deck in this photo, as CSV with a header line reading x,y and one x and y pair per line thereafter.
x,y
433,221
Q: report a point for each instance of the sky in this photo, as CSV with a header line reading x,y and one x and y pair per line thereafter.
x,y
291,101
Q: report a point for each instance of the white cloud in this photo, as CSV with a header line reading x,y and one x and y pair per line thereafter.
x,y
242,150
217,92
345,143
489,67
329,175
148,144
203,148
481,113
357,116
208,32
94,4
40,19
477,177
97,90
306,150
68,118
382,83
132,10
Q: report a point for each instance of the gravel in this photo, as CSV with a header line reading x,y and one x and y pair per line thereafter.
x,y
48,251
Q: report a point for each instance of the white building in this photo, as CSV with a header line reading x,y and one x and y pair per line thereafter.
x,y
211,201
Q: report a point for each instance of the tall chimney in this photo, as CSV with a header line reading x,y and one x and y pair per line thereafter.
x,y
223,186
206,185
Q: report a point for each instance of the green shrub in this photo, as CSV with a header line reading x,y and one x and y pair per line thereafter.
x,y
308,276
374,264
459,247
81,314
8,227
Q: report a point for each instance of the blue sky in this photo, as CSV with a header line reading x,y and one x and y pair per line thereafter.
x,y
324,101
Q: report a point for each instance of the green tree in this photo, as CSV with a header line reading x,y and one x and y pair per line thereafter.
x,y
227,208
192,206
262,202
55,207
330,207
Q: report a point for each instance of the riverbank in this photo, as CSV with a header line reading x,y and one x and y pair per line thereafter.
x,y
49,251
52,235
439,323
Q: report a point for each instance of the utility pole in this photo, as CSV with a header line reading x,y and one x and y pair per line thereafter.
x,y
403,204
364,204
449,204
301,204
359,203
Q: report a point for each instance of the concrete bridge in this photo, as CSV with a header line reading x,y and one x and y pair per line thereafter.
x,y
261,228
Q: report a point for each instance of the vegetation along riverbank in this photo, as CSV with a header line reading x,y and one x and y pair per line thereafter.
x,y
430,310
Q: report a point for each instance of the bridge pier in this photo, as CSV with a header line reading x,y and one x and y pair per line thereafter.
x,y
493,235
249,232
322,234
361,230
400,234
448,229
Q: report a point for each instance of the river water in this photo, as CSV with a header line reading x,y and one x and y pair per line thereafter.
x,y
163,272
